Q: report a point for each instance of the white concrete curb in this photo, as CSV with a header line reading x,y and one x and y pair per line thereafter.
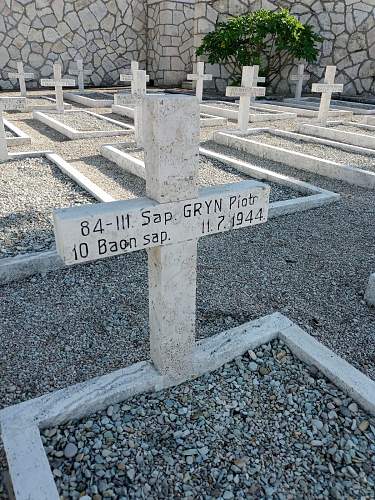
x,y
330,132
29,468
71,133
85,100
21,137
355,108
127,111
326,168
370,291
306,110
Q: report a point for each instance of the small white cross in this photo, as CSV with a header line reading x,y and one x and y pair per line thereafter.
x,y
168,224
326,89
21,76
299,78
81,73
257,79
8,104
244,92
139,94
199,77
58,83
134,66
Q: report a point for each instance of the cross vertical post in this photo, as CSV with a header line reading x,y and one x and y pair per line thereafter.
x,y
257,79
171,142
244,92
3,141
199,77
139,94
21,76
81,73
58,83
8,104
299,78
326,89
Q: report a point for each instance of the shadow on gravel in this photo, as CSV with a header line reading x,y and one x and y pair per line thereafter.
x,y
48,132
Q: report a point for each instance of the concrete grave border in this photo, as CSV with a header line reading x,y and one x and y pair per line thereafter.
x,y
20,139
23,266
127,111
356,109
300,111
326,168
369,120
315,196
72,133
74,96
21,424
232,114
333,134
44,107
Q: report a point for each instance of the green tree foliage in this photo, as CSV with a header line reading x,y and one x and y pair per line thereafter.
x,y
271,39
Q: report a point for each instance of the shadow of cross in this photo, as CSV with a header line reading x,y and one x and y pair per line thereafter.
x,y
247,90
8,104
167,223
326,89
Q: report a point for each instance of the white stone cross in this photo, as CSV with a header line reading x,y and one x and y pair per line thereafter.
x,y
139,94
81,74
199,77
168,224
8,104
244,92
299,78
21,76
326,89
256,79
134,66
58,83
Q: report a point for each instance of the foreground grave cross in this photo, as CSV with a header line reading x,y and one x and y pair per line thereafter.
x,y
256,79
58,83
326,89
199,77
21,76
299,78
167,224
81,74
8,104
244,92
134,66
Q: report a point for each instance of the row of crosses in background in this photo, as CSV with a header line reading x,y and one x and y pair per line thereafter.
x,y
168,224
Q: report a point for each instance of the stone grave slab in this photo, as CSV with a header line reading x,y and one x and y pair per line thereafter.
x,y
90,98
332,159
352,133
291,195
81,124
14,135
257,113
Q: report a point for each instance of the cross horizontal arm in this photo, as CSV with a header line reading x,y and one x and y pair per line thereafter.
x,y
245,91
98,231
18,75
130,78
45,82
78,71
192,76
327,87
299,77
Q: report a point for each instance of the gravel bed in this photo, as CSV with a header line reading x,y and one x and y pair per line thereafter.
x,y
319,150
29,190
213,172
95,95
264,425
81,121
38,101
356,130
235,107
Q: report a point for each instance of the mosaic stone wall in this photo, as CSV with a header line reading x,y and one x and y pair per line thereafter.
x,y
106,34
348,27
170,40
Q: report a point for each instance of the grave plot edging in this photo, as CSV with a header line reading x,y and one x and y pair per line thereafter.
x,y
46,107
21,137
123,110
232,114
124,160
23,266
329,132
88,101
29,468
336,104
326,168
75,134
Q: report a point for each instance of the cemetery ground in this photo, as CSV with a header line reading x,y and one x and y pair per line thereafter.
x,y
76,323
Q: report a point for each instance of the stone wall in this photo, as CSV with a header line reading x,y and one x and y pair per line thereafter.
x,y
170,40
348,27
106,34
